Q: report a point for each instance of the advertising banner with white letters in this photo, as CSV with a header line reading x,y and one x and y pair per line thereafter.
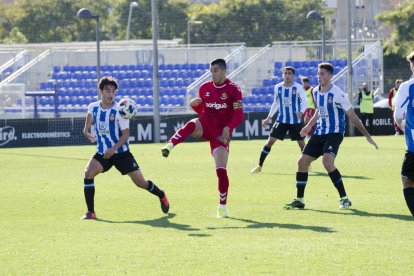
x,y
68,131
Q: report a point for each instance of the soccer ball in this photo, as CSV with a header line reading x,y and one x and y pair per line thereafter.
x,y
127,108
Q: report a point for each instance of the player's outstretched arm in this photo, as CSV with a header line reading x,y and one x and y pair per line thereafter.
x,y
195,102
305,130
196,105
266,122
88,123
358,124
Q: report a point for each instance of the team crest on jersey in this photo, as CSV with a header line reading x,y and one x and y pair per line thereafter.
x,y
223,96
207,94
330,99
112,117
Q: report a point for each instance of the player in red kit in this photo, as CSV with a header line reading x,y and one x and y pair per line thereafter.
x,y
221,110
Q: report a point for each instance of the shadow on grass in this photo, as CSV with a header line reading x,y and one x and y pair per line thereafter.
x,y
162,222
257,225
45,156
356,212
317,174
343,176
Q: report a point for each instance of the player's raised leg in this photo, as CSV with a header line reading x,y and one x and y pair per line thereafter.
x,y
192,127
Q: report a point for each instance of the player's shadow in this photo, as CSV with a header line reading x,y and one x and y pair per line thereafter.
x,y
252,224
162,222
320,174
356,212
343,176
45,156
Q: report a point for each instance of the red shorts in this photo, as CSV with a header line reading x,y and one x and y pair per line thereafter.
x,y
309,112
211,133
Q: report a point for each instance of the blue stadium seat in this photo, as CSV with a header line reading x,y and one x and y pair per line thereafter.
x,y
278,72
171,82
56,69
255,91
165,100
177,66
187,81
289,63
270,90
314,63
278,65
162,66
297,64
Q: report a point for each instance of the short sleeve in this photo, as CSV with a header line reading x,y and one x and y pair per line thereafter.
x,y
90,108
123,123
343,101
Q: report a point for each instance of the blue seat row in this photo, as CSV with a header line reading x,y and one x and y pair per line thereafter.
x,y
84,75
132,67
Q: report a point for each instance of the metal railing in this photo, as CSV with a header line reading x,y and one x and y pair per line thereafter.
x,y
367,67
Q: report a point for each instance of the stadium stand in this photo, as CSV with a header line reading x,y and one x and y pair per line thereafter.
x,y
261,97
76,84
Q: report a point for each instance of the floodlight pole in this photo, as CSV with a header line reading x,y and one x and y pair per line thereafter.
x,y
131,6
349,80
314,15
323,40
155,84
87,14
98,51
191,22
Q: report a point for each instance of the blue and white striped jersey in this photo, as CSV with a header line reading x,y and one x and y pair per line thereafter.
x,y
331,107
404,106
289,101
108,126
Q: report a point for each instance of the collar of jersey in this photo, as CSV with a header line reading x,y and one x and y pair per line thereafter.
x,y
327,90
100,104
224,84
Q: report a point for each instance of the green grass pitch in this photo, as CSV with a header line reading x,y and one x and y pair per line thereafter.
x,y
41,202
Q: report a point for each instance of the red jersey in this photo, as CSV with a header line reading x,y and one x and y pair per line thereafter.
x,y
222,105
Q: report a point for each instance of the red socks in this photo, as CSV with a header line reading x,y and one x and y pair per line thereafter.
x,y
183,133
223,184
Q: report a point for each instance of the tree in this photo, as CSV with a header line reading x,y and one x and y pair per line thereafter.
x,y
172,18
43,21
256,22
402,37
15,37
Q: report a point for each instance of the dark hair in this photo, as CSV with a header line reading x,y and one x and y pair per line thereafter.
x,y
304,79
410,57
220,62
105,81
290,68
327,66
